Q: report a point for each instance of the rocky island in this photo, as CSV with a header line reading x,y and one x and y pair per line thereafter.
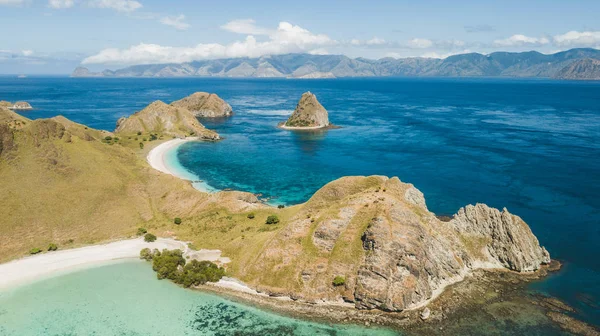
x,y
20,105
205,105
309,114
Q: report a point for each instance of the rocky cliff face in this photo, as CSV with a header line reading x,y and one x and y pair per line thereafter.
x,y
393,253
585,69
308,113
164,119
206,105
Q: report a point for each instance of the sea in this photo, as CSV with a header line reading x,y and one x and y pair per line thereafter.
x,y
530,145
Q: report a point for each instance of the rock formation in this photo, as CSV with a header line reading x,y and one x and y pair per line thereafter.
x,y
393,252
21,105
161,118
206,105
308,113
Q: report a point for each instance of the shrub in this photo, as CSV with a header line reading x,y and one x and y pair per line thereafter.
x,y
272,219
144,139
52,247
177,220
141,145
35,251
280,206
108,138
116,139
153,137
146,254
149,237
139,133
141,231
200,272
166,264
251,215
339,281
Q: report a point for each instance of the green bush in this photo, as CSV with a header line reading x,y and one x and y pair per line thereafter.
x,y
153,137
166,264
52,247
139,133
141,231
339,281
141,145
251,215
172,265
177,220
149,237
272,219
108,138
146,254
200,272
280,206
35,251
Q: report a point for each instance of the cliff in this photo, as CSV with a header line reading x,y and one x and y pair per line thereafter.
x,y
161,118
308,113
203,104
585,69
392,252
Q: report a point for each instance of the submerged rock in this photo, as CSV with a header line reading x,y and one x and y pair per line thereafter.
x,y
204,104
308,113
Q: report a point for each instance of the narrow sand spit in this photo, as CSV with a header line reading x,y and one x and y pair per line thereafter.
x,y
32,268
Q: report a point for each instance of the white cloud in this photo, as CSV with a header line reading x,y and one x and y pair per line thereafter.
x,y
521,40
245,26
376,41
575,38
355,42
319,51
420,43
11,2
178,22
61,3
27,52
287,38
444,55
118,5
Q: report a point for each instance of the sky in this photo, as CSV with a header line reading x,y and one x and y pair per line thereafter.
x,y
55,36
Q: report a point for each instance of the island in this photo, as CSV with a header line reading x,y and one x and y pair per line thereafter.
x,y
205,105
309,114
20,105
362,249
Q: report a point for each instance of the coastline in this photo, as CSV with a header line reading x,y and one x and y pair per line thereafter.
x,y
164,159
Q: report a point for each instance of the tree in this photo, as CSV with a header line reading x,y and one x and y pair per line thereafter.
x,y
149,238
146,254
139,133
52,247
251,215
166,264
272,219
177,220
141,145
141,231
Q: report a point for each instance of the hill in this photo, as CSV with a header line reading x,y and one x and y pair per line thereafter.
x,y
497,64
585,69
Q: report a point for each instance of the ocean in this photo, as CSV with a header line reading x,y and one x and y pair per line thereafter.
x,y
532,146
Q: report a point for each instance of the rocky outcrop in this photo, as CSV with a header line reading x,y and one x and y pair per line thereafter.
x,y
309,113
585,69
21,105
204,104
161,118
393,253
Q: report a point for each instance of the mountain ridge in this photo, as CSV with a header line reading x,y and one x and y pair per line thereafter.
x,y
498,64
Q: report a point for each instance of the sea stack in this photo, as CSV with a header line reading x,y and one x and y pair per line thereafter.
x,y
205,105
309,113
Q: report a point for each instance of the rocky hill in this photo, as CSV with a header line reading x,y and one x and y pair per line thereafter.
x,y
161,118
497,64
204,104
585,69
308,113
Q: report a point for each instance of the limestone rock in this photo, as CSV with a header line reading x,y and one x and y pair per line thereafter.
x,y
308,113
162,118
206,105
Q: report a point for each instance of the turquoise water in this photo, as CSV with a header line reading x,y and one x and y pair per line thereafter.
x,y
127,299
532,146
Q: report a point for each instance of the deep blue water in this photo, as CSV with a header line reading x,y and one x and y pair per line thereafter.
x,y
532,146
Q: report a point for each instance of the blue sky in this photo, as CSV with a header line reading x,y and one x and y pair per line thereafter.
x,y
53,36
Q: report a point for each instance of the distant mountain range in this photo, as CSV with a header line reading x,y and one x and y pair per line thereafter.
x,y
570,64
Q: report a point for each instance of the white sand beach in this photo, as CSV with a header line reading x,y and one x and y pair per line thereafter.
x,y
28,269
156,157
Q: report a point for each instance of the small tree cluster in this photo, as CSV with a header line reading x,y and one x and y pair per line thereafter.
x,y
149,238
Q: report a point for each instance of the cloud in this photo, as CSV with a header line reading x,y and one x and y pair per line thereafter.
x,y
445,55
419,43
355,42
479,28
575,38
175,21
287,38
376,41
11,2
521,40
61,3
27,52
118,5
245,26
